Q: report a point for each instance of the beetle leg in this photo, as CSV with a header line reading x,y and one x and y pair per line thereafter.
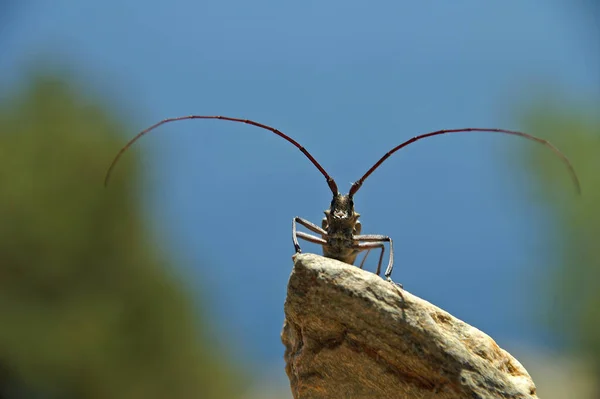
x,y
368,246
362,262
308,237
380,239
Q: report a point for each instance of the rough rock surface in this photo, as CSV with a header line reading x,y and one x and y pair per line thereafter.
x,y
350,334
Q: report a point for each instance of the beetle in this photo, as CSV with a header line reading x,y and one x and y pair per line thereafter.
x,y
340,231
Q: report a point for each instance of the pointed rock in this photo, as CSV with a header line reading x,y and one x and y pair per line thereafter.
x,y
350,334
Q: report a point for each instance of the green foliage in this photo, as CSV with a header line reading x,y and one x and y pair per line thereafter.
x,y
575,302
87,307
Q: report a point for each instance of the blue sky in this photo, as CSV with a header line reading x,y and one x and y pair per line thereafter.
x,y
349,81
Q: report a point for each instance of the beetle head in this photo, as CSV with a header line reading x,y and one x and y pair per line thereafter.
x,y
341,209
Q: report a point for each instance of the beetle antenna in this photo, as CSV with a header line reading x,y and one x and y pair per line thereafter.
x,y
360,181
330,181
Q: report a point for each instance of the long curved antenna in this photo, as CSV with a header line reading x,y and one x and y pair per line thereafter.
x,y
330,181
359,182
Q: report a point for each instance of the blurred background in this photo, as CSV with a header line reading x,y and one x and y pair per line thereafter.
x,y
171,281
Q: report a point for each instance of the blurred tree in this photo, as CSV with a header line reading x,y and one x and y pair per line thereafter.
x,y
87,307
574,303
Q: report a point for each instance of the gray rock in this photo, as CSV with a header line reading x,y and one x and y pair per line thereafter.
x,y
350,334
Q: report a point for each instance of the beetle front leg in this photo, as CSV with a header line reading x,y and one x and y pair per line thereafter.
x,y
308,237
380,239
368,246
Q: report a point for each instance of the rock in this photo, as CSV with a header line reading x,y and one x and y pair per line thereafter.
x,y
350,334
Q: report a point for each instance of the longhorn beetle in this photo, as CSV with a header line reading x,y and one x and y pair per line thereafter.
x,y
340,231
